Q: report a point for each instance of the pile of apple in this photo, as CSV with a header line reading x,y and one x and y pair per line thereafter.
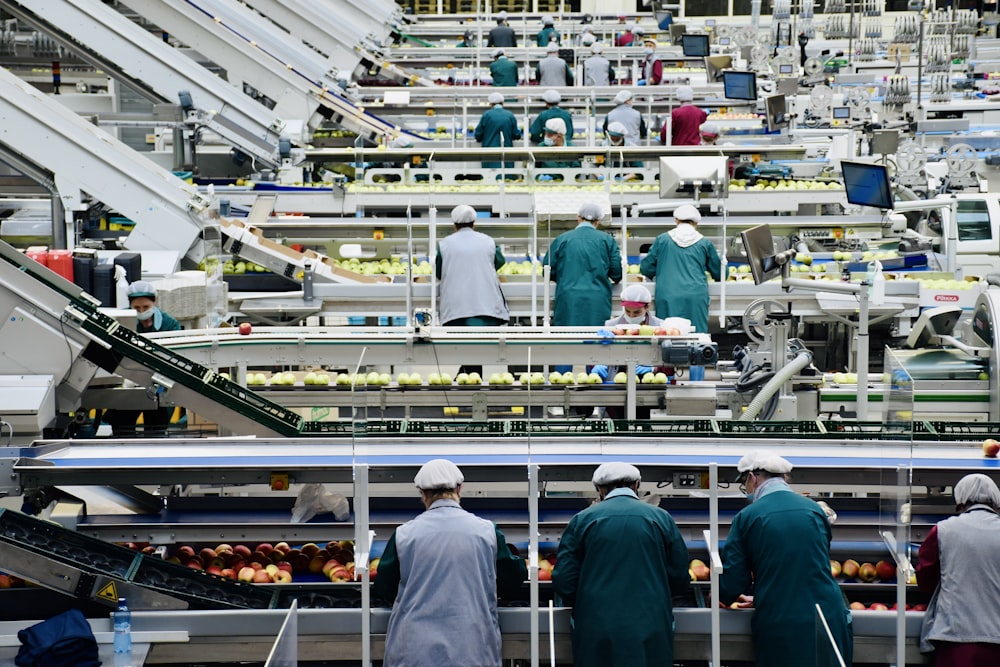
x,y
881,606
13,581
545,565
698,571
851,570
645,330
523,268
361,379
783,184
845,378
531,378
394,267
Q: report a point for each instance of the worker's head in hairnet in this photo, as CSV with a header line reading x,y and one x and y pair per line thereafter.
x,y
591,212
759,466
495,98
709,132
439,478
548,20
616,133
597,47
501,17
552,96
687,213
616,475
463,215
635,303
623,97
142,299
555,132
976,489
497,53
552,48
685,93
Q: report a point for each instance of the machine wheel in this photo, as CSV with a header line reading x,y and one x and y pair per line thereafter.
x,y
755,318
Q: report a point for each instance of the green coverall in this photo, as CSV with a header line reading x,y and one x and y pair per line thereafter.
x,y
536,131
681,287
546,35
492,124
584,262
504,72
619,564
781,545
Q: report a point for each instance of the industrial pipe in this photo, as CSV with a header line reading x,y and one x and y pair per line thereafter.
x,y
801,360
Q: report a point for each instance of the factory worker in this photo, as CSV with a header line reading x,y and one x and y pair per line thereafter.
x,y
685,120
615,134
635,311
552,98
497,127
628,37
623,113
652,67
957,563
553,70
555,135
548,34
502,35
777,560
597,70
622,614
709,133
678,260
584,263
142,299
587,37
443,571
503,70
466,264
468,39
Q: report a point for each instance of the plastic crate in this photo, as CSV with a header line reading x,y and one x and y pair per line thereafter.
x,y
769,429
562,426
964,431
496,427
868,430
694,427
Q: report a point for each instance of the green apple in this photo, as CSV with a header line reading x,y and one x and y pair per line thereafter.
x,y
648,378
743,268
805,258
434,378
475,378
323,379
343,379
416,379
372,378
524,378
984,376
537,378
555,377
495,378
507,377
621,377
445,378
581,378
462,378
646,330
660,378
594,378
403,378
310,378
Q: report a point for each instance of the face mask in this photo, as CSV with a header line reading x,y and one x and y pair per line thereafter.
x,y
146,315
548,141
635,320
648,52
749,497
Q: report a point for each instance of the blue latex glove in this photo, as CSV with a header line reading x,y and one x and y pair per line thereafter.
x,y
642,370
641,82
605,337
600,370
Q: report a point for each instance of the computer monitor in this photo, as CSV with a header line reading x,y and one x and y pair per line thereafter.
x,y
724,41
867,184
788,86
739,85
841,113
694,46
714,65
777,114
759,246
786,68
676,30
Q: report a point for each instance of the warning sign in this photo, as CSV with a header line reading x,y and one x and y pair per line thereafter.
x,y
108,592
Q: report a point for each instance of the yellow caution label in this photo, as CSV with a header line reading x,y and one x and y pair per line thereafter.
x,y
108,592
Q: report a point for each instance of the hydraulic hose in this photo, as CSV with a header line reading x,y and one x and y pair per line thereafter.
x,y
801,360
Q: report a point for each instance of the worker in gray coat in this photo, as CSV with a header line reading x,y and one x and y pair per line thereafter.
x,y
502,35
597,70
552,71
444,570
635,124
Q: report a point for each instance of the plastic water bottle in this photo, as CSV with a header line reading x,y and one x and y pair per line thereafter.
x,y
123,628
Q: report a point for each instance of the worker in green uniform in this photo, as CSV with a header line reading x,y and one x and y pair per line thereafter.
x,y
503,70
619,564
777,560
497,127
678,261
548,33
536,131
584,263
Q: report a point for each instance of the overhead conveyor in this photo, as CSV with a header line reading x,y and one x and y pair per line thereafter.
x,y
301,82
113,43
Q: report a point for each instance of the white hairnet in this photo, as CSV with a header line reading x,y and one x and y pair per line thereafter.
x,y
630,27
495,98
587,38
497,53
616,471
502,16
709,128
591,210
548,20
463,214
687,213
637,293
552,48
977,488
552,96
557,125
764,459
141,288
438,474
623,96
685,93
638,31
597,47
617,128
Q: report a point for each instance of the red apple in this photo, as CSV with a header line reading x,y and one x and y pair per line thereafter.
x,y
867,572
990,448
285,566
265,548
194,564
245,328
228,573
329,565
282,547
310,549
261,577
878,606
223,549
149,550
184,552
850,569
835,568
885,570
339,574
316,564
207,555
920,606
214,569
218,562
544,574
5,581
859,606
242,551
256,565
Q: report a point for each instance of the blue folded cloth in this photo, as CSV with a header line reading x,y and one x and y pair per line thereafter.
x,y
65,640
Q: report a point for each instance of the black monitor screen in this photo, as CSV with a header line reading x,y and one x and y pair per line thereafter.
x,y
867,184
739,85
694,46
